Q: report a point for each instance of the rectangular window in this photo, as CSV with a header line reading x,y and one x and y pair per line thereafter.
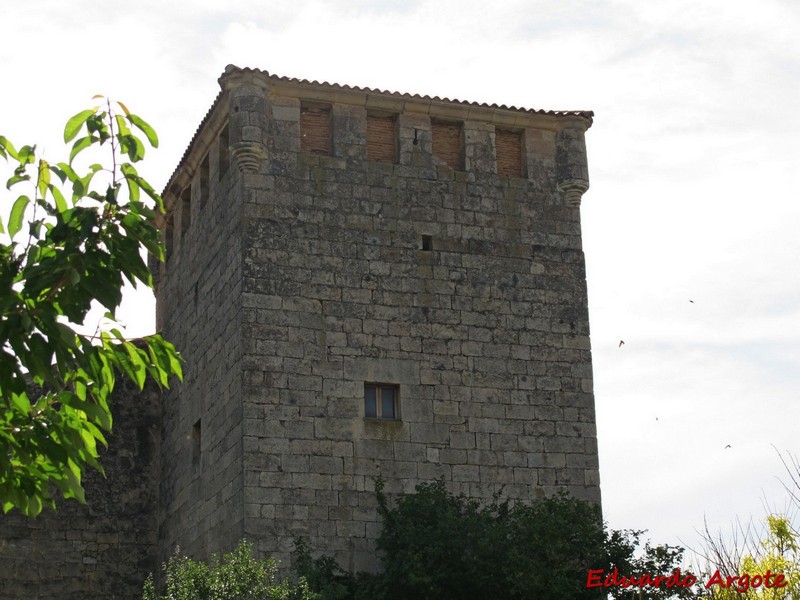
x,y
508,146
315,129
382,139
448,143
169,237
197,441
186,212
204,181
381,401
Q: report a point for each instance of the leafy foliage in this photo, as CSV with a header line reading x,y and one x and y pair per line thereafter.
x,y
778,552
238,576
324,575
435,545
72,239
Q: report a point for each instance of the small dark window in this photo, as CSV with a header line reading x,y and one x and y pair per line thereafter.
x,y
381,401
427,243
382,139
204,181
224,152
197,433
448,144
169,237
315,129
186,212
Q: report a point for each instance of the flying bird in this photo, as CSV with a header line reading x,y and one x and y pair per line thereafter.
x,y
726,447
692,301
621,343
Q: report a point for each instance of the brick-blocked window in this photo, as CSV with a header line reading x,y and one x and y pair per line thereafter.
x,y
381,401
448,145
315,129
382,138
508,146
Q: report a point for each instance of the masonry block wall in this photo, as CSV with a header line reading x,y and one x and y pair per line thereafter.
x,y
199,309
379,285
106,548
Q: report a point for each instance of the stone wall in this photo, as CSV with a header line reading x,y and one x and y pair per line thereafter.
x,y
106,548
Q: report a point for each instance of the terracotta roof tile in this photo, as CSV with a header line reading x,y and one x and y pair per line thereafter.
x,y
588,114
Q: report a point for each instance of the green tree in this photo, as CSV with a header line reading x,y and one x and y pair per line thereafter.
x,y
70,240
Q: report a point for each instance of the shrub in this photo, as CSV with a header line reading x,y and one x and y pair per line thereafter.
x,y
438,546
238,576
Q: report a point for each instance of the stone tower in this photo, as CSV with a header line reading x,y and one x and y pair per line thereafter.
x,y
369,283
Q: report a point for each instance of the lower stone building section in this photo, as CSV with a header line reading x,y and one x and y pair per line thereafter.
x,y
103,549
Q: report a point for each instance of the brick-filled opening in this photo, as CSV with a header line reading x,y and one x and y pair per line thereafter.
x,y
448,143
224,152
508,147
382,138
315,129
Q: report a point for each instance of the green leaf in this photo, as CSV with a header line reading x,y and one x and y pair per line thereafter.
x,y
8,148
81,145
132,179
89,442
150,191
17,214
43,179
22,402
27,155
68,171
146,129
132,146
122,126
59,173
61,203
16,178
137,362
75,123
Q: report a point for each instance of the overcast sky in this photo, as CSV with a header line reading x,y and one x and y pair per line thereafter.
x,y
690,226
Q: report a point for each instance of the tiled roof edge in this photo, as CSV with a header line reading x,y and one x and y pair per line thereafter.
x,y
587,114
